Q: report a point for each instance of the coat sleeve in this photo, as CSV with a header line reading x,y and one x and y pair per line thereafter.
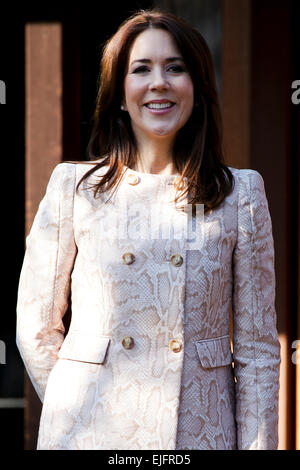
x,y
45,278
256,349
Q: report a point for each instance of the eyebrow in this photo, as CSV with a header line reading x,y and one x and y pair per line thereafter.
x,y
147,61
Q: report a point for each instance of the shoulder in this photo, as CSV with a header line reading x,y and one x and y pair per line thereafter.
x,y
61,174
74,170
80,167
244,172
247,177
251,188
73,166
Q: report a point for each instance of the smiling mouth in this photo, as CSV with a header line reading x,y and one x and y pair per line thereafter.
x,y
159,105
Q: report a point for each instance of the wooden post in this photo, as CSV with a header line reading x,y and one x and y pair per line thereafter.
x,y
236,81
43,147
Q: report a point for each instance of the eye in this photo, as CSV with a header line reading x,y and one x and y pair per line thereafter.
x,y
142,68
177,68
172,68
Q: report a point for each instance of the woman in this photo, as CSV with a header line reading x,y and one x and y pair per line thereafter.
x,y
147,362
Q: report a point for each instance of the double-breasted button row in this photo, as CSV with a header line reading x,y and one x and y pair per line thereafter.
x,y
175,344
129,258
134,179
177,260
127,342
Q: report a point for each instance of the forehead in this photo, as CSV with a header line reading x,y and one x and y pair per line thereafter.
x,y
153,44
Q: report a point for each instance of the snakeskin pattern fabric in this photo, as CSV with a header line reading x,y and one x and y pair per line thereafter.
x,y
147,362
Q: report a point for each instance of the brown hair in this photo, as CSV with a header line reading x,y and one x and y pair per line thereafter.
x,y
198,153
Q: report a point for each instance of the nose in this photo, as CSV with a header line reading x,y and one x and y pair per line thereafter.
x,y
158,80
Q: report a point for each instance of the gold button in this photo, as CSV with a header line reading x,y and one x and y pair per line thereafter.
x,y
177,260
127,342
128,258
176,345
178,183
132,179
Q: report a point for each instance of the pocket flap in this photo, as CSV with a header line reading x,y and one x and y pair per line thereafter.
x,y
84,348
214,352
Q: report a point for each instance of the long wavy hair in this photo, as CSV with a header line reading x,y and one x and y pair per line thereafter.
x,y
198,149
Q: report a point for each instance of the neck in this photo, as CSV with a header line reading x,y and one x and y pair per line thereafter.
x,y
155,157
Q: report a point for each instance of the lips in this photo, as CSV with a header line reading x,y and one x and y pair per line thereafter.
x,y
159,106
161,101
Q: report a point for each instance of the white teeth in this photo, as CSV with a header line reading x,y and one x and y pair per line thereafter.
x,y
159,105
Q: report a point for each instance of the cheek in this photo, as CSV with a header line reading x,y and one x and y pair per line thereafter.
x,y
186,93
133,91
189,91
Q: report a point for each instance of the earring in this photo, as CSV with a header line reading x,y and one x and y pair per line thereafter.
x,y
122,107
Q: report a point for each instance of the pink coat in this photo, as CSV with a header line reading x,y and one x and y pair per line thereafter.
x,y
147,362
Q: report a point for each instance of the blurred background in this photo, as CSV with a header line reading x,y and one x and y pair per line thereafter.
x,y
49,69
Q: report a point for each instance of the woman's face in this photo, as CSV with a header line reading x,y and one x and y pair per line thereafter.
x,y
159,92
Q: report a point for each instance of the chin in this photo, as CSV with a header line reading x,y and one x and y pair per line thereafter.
x,y
162,132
